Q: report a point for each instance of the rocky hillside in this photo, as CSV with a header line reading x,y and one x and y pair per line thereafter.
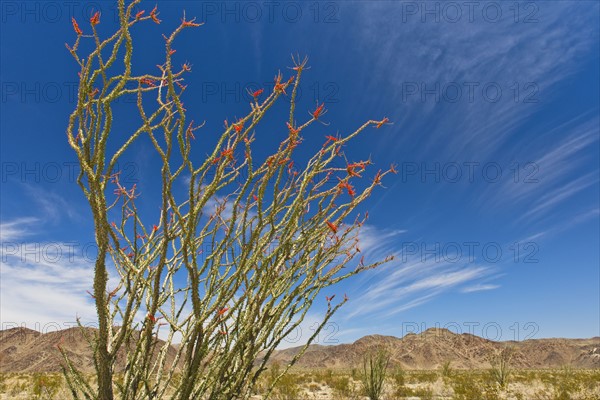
x,y
433,347
25,350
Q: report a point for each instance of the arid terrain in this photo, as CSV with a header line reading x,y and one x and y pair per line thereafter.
x,y
28,351
433,364
433,347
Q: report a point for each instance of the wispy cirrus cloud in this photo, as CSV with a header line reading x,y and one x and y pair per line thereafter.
x,y
409,281
437,72
561,193
479,288
555,172
409,286
466,87
43,283
16,229
51,205
39,288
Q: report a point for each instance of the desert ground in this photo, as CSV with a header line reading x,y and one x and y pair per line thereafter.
x,y
445,383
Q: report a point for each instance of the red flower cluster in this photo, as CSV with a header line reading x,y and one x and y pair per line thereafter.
x,y
95,20
227,153
223,310
293,131
154,14
351,168
257,93
332,226
318,111
147,82
76,27
383,121
348,187
279,87
238,126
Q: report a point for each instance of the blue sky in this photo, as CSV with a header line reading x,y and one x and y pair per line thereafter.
x,y
493,216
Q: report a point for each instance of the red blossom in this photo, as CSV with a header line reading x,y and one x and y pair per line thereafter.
x,y
190,23
351,168
293,131
352,172
147,82
154,14
332,226
223,310
139,14
348,187
76,26
377,179
329,298
95,20
153,318
239,126
383,121
318,111
257,93
330,139
279,87
227,153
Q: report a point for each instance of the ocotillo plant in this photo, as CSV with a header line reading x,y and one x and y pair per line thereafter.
x,y
501,365
275,241
375,365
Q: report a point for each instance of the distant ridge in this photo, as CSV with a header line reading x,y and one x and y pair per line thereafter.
x,y
26,350
433,347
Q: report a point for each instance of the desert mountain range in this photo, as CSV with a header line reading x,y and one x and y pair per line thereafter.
x,y
26,350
